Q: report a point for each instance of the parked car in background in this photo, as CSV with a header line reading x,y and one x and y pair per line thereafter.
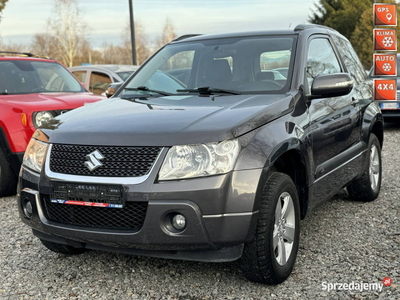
x,y
219,169
33,90
96,78
390,109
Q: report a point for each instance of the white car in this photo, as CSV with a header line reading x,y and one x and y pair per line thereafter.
x,y
96,78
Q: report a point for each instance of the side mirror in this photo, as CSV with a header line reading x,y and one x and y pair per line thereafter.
x,y
331,85
112,88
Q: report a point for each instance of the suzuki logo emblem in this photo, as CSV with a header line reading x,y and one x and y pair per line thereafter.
x,y
94,160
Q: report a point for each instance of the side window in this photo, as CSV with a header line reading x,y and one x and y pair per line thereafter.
x,y
321,60
350,59
81,75
99,82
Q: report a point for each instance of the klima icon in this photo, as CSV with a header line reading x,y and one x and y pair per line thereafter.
x,y
387,41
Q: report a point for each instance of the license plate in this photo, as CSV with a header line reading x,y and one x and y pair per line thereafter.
x,y
389,105
94,195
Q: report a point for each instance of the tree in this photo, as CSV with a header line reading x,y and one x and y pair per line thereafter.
x,y
168,34
324,10
342,15
362,38
46,44
2,6
142,50
69,29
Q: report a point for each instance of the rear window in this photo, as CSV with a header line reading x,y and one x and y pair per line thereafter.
x,y
25,77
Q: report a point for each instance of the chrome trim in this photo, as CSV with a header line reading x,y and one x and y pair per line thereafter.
x,y
30,171
32,192
232,214
342,165
96,179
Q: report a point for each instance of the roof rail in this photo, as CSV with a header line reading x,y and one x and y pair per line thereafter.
x,y
301,27
24,54
185,36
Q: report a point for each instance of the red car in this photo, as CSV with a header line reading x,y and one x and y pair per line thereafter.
x,y
33,90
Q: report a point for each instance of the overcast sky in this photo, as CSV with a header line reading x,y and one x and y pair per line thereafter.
x,y
22,19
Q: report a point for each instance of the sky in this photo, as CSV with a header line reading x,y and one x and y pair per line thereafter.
x,y
106,19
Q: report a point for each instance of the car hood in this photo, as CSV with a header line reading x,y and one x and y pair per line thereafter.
x,y
166,121
50,101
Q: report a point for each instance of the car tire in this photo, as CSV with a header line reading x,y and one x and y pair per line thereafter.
x,y
367,187
262,261
60,248
8,179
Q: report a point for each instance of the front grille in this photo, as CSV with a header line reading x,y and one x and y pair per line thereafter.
x,y
117,162
131,217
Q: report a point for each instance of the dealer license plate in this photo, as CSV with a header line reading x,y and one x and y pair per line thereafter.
x,y
389,105
95,195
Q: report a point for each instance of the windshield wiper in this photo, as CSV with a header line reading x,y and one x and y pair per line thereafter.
x,y
206,90
146,89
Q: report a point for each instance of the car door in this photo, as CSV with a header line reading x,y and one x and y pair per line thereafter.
x,y
335,121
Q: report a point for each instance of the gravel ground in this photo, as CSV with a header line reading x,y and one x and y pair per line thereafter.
x,y
341,241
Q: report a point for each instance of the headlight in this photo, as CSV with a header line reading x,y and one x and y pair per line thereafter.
x,y
35,155
42,117
199,160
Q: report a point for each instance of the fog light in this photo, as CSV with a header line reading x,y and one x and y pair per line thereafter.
x,y
179,222
28,210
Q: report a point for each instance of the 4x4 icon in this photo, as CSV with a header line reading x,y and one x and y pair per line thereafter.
x,y
212,151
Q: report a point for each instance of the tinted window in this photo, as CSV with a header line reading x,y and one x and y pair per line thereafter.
x,y
350,59
23,77
99,82
236,64
321,60
81,75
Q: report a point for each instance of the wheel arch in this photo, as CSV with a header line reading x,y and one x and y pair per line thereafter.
x,y
3,140
377,129
290,157
293,164
373,123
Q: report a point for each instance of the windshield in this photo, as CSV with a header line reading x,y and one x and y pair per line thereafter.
x,y
125,75
243,65
25,77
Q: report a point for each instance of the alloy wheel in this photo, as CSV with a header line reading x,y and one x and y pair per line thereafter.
x,y
284,228
374,167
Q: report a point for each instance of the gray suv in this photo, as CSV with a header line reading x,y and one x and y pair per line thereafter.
x,y
205,155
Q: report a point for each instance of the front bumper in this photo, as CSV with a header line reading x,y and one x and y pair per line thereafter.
x,y
391,115
221,213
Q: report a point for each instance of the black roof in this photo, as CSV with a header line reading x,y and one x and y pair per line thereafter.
x,y
296,30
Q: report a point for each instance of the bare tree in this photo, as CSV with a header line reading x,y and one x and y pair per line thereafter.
x,y
142,50
167,35
15,47
69,29
46,44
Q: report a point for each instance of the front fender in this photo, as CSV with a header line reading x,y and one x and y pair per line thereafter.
x,y
264,146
